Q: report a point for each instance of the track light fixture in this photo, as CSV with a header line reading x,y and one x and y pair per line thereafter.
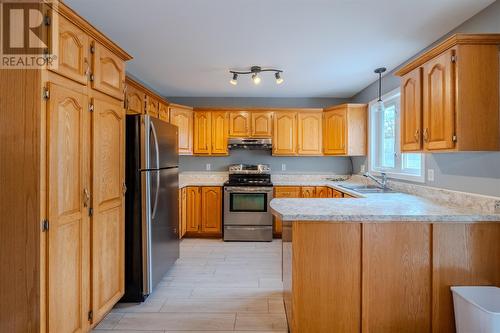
x,y
255,71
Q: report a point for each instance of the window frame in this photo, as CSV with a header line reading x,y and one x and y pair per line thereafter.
x,y
374,149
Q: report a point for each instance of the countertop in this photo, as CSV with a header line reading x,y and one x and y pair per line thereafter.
x,y
376,207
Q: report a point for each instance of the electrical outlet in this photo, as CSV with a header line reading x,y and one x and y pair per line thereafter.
x,y
209,167
363,168
497,207
283,167
430,175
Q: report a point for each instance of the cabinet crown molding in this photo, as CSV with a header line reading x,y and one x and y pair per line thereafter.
x,y
454,40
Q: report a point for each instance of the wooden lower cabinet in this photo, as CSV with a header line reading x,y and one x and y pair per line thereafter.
x,y
322,192
308,192
182,212
383,277
203,212
335,194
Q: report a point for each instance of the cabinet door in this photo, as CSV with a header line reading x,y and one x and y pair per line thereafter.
x,y
322,192
183,119
108,75
310,134
211,209
152,107
239,124
262,124
219,133
73,56
135,101
334,193
163,111
287,192
411,111
439,97
108,203
335,132
193,209
285,133
68,132
308,192
183,212
202,132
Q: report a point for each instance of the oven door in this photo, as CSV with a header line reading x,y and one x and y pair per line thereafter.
x,y
247,205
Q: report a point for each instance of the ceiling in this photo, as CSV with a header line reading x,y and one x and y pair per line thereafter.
x,y
326,48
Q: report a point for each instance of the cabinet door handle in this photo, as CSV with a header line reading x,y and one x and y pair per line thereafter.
x,y
426,135
417,135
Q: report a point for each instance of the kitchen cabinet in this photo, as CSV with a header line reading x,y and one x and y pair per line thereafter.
x,y
163,112
108,71
345,130
322,192
108,203
262,124
210,132
73,61
152,107
68,179
310,134
182,212
202,133
411,118
335,194
285,133
182,117
239,124
459,94
135,102
308,192
287,191
203,211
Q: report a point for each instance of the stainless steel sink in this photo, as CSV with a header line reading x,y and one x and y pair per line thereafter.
x,y
367,189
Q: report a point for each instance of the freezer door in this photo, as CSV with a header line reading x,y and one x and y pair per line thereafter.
x,y
163,238
159,141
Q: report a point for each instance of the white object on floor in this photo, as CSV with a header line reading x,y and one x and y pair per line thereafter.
x,y
477,309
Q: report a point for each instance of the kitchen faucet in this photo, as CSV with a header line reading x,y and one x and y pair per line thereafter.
x,y
382,182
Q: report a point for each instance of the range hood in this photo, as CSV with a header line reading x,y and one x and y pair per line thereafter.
x,y
250,143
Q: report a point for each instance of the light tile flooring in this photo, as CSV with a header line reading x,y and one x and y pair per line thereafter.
x,y
214,286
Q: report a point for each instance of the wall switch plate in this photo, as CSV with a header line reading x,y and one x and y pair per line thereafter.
x,y
209,167
363,168
497,207
430,175
283,167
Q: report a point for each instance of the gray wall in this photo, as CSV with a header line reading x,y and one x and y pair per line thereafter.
x,y
338,165
471,172
257,102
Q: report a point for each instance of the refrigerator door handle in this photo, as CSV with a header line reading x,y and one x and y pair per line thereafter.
x,y
155,136
155,205
157,148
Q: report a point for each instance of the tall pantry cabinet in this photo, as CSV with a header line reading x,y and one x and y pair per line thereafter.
x,y
62,174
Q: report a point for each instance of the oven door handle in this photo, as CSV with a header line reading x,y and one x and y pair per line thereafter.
x,y
243,189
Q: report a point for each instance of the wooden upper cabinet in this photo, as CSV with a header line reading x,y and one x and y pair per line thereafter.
x,y
335,132
411,111
211,210
310,133
108,198
285,133
262,124
108,73
459,96
182,117
439,98
219,133
135,100
202,132
74,50
152,105
239,124
163,111
345,130
68,201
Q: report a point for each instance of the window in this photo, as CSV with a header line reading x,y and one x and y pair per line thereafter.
x,y
385,153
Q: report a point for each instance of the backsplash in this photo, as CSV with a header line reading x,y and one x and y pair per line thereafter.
x,y
320,164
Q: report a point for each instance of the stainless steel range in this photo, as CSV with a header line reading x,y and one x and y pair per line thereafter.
x,y
247,194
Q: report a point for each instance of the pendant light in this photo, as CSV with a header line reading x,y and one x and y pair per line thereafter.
x,y
379,106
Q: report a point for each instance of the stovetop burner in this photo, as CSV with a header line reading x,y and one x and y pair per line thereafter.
x,y
249,175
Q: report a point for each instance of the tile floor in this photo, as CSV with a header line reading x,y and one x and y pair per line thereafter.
x,y
214,286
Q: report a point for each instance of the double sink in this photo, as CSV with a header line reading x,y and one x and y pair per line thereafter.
x,y
367,189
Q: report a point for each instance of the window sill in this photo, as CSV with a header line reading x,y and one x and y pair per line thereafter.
x,y
400,176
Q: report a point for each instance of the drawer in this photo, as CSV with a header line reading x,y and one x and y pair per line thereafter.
x,y
247,233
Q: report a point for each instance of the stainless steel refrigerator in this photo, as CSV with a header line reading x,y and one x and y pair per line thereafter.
x,y
151,204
